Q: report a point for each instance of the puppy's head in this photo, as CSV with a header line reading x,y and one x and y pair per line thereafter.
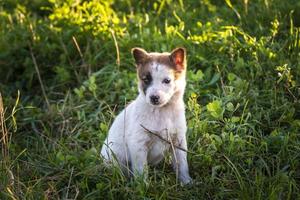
x,y
161,75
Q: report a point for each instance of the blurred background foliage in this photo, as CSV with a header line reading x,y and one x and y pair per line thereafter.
x,y
66,70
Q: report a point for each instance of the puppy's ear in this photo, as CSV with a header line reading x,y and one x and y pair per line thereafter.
x,y
178,57
140,55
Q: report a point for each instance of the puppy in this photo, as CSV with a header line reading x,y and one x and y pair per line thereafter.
x,y
154,123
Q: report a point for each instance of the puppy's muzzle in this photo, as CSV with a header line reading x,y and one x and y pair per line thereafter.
x,y
154,99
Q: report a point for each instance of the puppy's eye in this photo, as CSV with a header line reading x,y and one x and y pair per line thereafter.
x,y
166,80
147,79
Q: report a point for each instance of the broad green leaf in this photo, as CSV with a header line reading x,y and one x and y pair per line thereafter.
x,y
214,79
215,109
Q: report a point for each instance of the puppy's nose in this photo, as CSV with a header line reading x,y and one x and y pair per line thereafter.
x,y
154,99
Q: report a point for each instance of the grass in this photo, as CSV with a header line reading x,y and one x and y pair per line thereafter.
x,y
66,71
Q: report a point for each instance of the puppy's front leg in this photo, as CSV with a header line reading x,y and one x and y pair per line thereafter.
x,y
179,161
138,157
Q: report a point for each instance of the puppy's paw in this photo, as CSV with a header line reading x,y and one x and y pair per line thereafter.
x,y
186,180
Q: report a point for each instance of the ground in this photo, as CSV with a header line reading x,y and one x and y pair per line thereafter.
x,y
66,71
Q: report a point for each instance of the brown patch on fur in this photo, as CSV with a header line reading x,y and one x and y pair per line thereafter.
x,y
144,60
165,59
139,54
144,76
177,74
178,57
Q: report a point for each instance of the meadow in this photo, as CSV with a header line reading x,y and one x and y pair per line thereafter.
x,y
66,71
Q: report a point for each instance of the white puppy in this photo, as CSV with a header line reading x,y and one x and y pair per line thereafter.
x,y
159,108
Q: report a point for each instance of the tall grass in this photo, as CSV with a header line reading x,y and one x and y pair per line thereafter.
x,y
66,71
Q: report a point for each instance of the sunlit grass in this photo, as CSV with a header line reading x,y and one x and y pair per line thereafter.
x,y
242,96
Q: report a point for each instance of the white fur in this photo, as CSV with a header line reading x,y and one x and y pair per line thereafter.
x,y
132,146
164,91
